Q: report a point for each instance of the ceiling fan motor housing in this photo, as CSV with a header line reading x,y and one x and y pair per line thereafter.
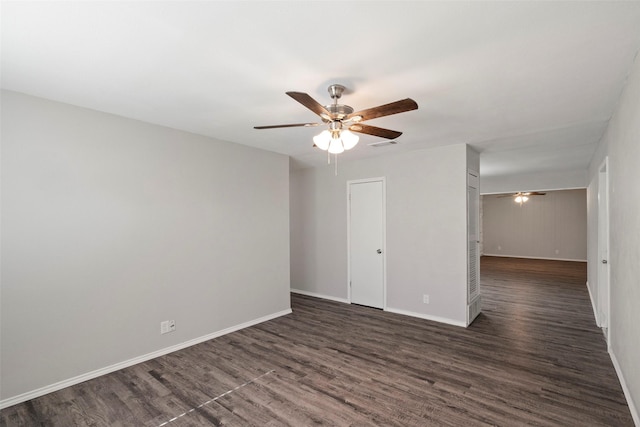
x,y
339,111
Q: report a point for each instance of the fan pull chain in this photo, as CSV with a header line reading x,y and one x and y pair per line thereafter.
x,y
328,157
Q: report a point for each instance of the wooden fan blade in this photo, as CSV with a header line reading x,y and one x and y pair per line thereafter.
x,y
385,110
375,131
287,126
311,104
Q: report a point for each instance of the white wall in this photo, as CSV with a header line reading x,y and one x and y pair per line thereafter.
x,y
111,225
553,226
621,142
426,229
559,180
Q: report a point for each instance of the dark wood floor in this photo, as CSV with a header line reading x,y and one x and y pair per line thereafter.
x,y
533,357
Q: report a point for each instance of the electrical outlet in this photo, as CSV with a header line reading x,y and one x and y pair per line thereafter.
x,y
167,326
425,299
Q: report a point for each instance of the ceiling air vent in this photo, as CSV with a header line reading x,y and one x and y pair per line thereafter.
x,y
382,143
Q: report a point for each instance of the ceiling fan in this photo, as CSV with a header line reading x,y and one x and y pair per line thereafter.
x,y
521,197
342,120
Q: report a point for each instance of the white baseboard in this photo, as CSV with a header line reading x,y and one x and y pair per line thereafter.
x,y
632,407
316,295
390,310
535,257
428,317
125,364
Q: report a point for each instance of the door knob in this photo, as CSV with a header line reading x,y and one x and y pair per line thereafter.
x,y
604,261
379,251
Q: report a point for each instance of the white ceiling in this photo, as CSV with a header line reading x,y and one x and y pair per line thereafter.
x,y
529,84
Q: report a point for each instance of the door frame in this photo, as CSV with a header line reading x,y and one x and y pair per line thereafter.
x,y
604,287
384,235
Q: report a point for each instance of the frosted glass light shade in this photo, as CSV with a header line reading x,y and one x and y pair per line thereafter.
x,y
349,139
336,147
521,199
322,140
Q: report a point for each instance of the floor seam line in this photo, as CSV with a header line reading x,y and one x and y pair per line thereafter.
x,y
216,398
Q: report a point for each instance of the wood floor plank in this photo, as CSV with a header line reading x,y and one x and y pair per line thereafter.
x,y
533,357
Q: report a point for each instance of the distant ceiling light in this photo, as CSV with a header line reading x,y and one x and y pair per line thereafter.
x,y
521,197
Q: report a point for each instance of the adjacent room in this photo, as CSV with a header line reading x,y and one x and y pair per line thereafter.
x,y
335,213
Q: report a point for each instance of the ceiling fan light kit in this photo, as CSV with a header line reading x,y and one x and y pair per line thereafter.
x,y
343,122
521,197
336,140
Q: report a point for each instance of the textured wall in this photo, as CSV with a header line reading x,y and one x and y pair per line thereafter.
x,y
621,142
426,229
553,226
111,225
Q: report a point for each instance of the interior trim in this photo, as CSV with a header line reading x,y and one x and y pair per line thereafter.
x,y
125,364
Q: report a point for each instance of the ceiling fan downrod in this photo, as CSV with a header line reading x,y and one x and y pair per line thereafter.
x,y
335,91
338,111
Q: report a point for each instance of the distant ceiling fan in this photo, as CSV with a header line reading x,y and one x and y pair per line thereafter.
x,y
521,197
342,121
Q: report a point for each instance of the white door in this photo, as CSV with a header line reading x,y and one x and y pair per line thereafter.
x,y
603,248
473,235
366,242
